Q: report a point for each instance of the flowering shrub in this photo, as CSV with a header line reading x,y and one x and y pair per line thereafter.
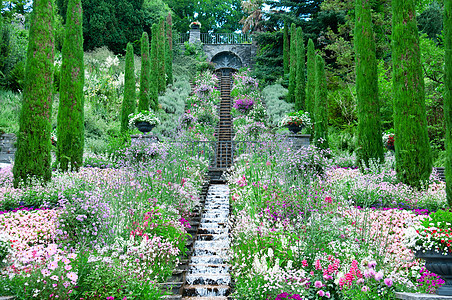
x,y
388,139
298,118
244,105
143,116
433,233
5,247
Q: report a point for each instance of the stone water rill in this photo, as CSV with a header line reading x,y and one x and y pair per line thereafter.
x,y
208,273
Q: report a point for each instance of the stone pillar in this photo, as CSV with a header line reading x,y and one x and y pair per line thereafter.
x,y
195,36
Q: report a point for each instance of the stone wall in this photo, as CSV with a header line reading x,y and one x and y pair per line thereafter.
x,y
245,52
299,140
7,147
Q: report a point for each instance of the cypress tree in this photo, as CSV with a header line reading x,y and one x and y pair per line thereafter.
x,y
161,57
293,64
321,105
448,95
129,100
286,48
71,117
310,86
145,77
169,50
370,144
154,68
33,144
412,148
300,90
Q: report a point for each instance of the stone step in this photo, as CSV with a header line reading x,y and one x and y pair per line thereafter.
x,y
200,291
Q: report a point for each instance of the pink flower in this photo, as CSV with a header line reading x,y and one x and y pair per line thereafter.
x,y
364,289
379,276
53,265
327,277
388,282
268,163
372,264
67,267
45,272
327,294
72,276
318,284
54,277
321,293
328,200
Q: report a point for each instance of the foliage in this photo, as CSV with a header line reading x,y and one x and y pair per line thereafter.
x,y
9,112
109,23
286,49
269,60
300,89
169,50
13,50
161,53
276,107
448,96
129,100
293,64
310,84
153,11
71,127
321,105
145,77
33,144
369,128
413,155
215,16
154,67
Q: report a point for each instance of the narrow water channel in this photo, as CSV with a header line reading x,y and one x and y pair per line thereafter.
x,y
208,274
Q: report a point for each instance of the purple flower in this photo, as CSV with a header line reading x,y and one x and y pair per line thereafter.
x,y
388,282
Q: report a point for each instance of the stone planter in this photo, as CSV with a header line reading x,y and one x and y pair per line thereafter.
x,y
439,264
390,147
295,128
144,126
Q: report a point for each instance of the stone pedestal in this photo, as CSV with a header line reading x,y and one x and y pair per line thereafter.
x,y
7,147
298,141
415,296
195,36
144,138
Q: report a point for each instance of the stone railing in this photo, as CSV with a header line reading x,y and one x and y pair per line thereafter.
x,y
7,147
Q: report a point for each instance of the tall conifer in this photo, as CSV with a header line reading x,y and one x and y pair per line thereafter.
x,y
321,105
161,57
300,90
448,95
71,117
154,68
293,64
286,47
129,100
145,78
412,148
33,158
169,50
370,144
310,85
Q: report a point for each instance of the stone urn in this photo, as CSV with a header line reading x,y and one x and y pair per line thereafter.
x,y
440,264
144,126
295,128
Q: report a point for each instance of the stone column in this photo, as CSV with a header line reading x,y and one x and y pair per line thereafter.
x,y
195,36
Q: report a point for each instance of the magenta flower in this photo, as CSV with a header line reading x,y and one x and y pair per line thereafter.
x,y
321,293
318,284
379,276
388,282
